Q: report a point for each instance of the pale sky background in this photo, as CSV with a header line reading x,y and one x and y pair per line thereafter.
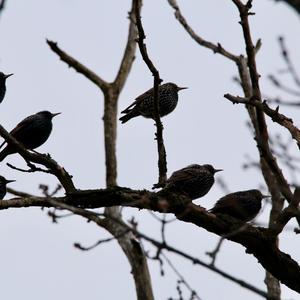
x,y
38,259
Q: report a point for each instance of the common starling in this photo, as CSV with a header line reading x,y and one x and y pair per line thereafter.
x,y
3,183
32,132
194,180
144,104
3,78
242,205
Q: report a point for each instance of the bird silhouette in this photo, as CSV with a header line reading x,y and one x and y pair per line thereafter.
x,y
144,104
32,132
3,183
3,78
195,181
242,205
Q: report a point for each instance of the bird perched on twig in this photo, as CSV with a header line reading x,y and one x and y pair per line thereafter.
x,y
144,104
32,132
194,180
3,183
242,205
3,78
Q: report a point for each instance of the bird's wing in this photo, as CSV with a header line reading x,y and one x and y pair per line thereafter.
x,y
224,203
138,100
181,175
128,109
19,130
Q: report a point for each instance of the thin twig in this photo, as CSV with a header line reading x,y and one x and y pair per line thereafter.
x,y
216,48
162,156
286,56
100,242
282,86
213,254
272,113
182,279
32,168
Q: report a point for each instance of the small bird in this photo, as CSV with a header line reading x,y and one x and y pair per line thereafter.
x,y
242,205
3,183
144,104
194,180
32,132
3,78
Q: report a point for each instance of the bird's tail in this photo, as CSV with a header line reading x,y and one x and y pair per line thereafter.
x,y
128,116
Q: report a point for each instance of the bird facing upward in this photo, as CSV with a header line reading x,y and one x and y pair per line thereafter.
x,y
242,205
195,181
3,78
3,183
32,132
144,104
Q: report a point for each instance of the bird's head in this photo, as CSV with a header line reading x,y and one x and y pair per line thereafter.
x,y
3,76
47,114
258,194
175,87
211,169
3,180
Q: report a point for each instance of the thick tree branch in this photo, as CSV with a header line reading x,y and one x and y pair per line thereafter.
x,y
111,93
285,216
257,241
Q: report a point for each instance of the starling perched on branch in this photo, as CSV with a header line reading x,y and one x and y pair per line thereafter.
x,y
194,180
144,104
32,132
3,78
243,205
3,183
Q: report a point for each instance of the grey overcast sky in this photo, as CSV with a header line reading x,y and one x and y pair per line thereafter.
x,y
38,259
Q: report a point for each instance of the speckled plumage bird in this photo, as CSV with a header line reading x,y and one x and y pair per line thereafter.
x,y
3,183
144,104
3,78
195,181
32,132
242,205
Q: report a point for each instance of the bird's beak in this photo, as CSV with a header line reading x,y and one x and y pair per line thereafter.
x,y
218,170
8,181
8,75
181,88
56,114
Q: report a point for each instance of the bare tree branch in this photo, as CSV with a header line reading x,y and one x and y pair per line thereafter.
x,y
80,68
111,93
162,156
216,48
272,113
103,223
257,241
43,159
